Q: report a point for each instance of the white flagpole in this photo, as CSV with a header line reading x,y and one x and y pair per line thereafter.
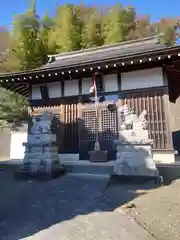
x,y
96,146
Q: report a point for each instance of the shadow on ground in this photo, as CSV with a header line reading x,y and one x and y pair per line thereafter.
x,y
27,208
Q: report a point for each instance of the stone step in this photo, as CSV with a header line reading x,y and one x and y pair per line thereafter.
x,y
88,169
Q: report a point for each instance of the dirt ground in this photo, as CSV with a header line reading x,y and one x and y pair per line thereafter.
x,y
158,211
69,207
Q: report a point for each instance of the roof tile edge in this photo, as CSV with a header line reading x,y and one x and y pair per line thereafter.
x,y
153,39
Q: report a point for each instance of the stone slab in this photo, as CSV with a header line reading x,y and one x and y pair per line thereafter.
x,y
69,157
39,138
129,135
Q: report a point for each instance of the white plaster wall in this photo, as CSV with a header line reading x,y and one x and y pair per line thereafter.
x,y
142,79
36,93
71,88
16,148
54,89
110,83
86,84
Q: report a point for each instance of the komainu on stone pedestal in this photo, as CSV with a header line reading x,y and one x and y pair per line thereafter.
x,y
134,148
41,158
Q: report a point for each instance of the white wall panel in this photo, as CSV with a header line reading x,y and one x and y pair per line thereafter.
x,y
54,89
110,83
86,84
36,93
71,88
142,79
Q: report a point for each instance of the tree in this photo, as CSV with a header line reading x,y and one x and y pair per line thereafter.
x,y
91,32
9,62
112,25
66,33
129,22
3,62
28,45
45,33
167,26
143,28
118,23
13,109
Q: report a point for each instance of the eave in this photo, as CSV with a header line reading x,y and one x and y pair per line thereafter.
x,y
19,81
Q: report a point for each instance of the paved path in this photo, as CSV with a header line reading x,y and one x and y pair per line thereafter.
x,y
68,208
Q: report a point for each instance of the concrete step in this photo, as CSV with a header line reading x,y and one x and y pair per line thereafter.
x,y
88,169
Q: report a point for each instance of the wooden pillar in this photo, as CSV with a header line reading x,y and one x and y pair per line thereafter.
x,y
80,121
119,79
169,118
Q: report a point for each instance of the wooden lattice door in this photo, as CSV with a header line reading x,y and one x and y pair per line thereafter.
x,y
105,123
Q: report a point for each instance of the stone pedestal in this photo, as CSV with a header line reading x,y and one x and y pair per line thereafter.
x,y
41,160
134,156
134,149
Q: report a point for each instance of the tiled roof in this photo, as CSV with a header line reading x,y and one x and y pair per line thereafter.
x,y
106,52
147,47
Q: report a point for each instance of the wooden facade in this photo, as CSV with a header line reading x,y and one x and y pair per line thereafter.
x,y
75,122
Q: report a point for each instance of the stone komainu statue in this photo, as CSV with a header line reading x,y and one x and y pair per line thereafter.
x,y
42,123
130,120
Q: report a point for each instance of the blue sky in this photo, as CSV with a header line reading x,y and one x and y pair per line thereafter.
x,y
155,8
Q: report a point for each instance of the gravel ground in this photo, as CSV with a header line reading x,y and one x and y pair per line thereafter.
x,y
66,208
158,211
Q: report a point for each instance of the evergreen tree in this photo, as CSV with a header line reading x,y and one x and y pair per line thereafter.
x,y
143,28
118,23
113,25
13,109
29,46
167,26
128,22
91,32
9,62
45,33
66,32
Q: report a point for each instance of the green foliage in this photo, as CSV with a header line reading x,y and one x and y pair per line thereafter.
x,y
168,28
91,32
129,22
142,29
13,109
45,33
29,46
113,25
66,32
118,24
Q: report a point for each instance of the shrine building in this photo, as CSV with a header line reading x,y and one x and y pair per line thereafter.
x,y
145,74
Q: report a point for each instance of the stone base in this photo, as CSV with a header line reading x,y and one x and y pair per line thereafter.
x,y
135,159
42,176
136,179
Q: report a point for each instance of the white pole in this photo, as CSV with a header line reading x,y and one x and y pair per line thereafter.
x,y
96,147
